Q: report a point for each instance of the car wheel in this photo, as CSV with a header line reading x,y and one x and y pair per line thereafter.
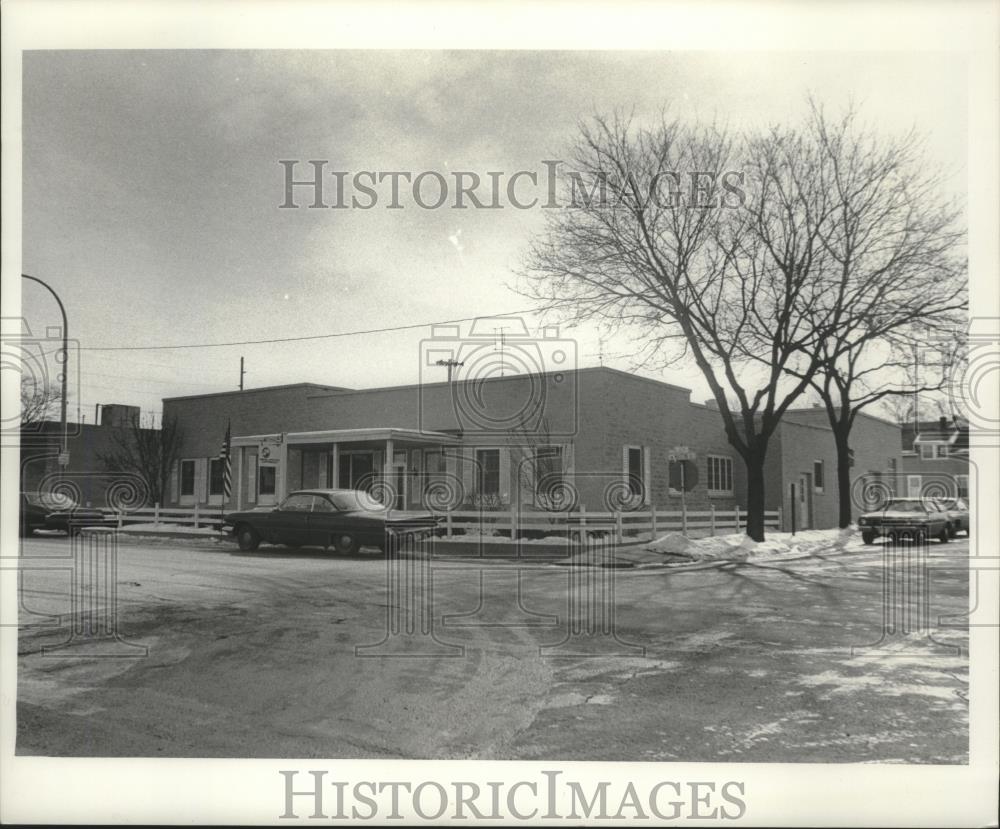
x,y
247,537
868,538
945,535
345,544
952,531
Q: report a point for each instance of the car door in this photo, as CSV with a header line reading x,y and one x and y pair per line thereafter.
x,y
290,521
322,521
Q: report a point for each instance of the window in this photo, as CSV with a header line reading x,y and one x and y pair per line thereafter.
x,y
267,480
926,451
187,478
720,475
321,504
487,471
216,467
962,484
941,450
633,469
295,503
818,483
548,469
357,469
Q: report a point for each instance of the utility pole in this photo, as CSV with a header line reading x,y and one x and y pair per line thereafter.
x,y
242,372
451,364
600,352
64,454
502,340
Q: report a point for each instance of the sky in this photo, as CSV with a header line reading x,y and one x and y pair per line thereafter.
x,y
152,185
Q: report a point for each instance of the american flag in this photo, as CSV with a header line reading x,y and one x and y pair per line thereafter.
x,y
227,466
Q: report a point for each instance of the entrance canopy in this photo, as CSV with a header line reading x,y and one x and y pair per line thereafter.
x,y
346,458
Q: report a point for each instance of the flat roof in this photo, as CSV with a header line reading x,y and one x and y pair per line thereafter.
x,y
327,390
281,387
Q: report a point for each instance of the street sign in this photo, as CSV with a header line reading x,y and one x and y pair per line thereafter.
x,y
681,453
683,475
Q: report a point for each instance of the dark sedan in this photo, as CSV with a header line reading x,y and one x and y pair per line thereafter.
x,y
344,519
902,517
958,515
52,511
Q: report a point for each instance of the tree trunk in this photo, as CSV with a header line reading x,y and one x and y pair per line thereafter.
x,y
755,495
841,436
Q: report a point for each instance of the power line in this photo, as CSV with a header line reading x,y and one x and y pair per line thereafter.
x,y
148,379
298,339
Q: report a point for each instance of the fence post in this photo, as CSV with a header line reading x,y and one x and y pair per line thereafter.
x,y
684,518
712,511
447,524
156,513
121,519
196,516
513,519
780,525
618,526
737,518
654,523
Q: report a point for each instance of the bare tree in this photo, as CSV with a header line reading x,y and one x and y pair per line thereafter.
x,y
38,403
896,283
147,452
704,268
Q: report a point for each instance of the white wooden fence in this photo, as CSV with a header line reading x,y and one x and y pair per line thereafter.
x,y
639,524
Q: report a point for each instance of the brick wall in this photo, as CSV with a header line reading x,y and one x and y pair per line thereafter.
x,y
803,438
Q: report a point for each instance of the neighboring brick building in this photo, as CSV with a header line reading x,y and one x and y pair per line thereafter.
x,y
503,440
86,477
803,453
936,455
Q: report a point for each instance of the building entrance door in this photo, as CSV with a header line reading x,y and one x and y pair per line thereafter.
x,y
399,485
805,500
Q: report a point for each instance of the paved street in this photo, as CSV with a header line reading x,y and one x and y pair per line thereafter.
x,y
253,655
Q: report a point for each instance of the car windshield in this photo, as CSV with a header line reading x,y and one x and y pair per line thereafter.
x,y
905,506
51,500
356,500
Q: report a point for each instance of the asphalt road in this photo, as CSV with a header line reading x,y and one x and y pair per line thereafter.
x,y
254,655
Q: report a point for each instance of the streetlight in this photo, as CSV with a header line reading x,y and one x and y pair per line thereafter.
x,y
64,454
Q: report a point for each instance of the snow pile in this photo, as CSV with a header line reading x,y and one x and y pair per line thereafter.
x,y
740,547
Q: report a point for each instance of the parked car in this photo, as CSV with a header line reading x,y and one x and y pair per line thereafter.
x,y
344,519
958,515
913,516
54,511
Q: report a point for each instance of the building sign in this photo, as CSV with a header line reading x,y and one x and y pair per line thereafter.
x,y
269,451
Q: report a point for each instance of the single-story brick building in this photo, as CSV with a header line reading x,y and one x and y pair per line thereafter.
x,y
597,436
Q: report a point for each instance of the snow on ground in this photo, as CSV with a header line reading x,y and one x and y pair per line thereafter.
x,y
740,547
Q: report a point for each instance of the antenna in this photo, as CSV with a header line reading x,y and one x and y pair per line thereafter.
x,y
451,364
